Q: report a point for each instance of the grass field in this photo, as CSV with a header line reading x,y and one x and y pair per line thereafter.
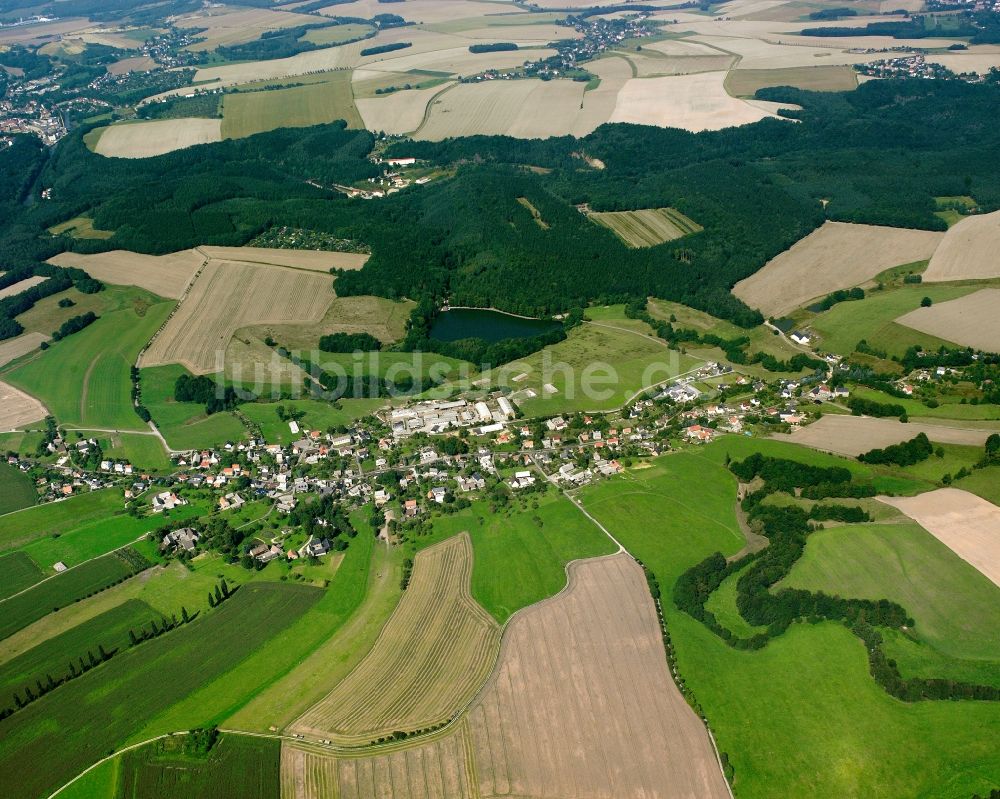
x,y
144,452
872,319
237,766
87,717
950,601
298,663
17,490
746,82
616,362
314,655
318,416
17,572
949,407
81,227
646,227
64,589
439,646
84,379
91,539
109,630
517,560
30,524
801,717
247,113
184,425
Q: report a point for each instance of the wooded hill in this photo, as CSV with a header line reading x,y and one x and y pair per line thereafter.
x,y
878,155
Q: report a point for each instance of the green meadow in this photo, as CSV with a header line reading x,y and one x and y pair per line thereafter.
x,y
84,380
801,717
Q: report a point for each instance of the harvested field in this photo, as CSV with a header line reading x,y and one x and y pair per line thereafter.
x,y
757,54
852,435
968,525
439,647
21,285
229,25
18,409
310,260
581,705
136,64
836,256
399,112
526,109
980,62
164,275
229,295
972,320
599,103
646,227
745,82
968,251
16,347
146,139
692,102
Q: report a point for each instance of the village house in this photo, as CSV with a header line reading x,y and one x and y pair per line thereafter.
x,y
186,538
167,500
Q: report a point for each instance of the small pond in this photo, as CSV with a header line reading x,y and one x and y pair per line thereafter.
x,y
459,323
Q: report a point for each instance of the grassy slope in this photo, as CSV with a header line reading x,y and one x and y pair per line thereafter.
x,y
16,489
951,602
144,452
517,560
318,416
17,572
110,630
95,538
64,589
563,365
84,379
184,425
282,654
950,407
90,715
247,113
801,717
30,524
846,323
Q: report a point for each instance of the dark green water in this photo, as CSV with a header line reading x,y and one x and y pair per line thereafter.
x,y
460,323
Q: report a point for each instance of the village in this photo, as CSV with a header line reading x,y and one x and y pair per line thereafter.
x,y
410,461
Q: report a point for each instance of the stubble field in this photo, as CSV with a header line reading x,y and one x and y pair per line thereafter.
x,y
968,525
836,256
971,321
146,139
534,732
164,275
968,251
229,295
853,435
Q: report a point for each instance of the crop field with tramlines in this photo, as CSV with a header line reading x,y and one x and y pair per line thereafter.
x,y
646,227
88,716
64,589
438,646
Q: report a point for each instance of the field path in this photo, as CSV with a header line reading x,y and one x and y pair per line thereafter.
x,y
86,386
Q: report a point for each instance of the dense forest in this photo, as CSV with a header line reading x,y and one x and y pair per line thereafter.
x,y
877,155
